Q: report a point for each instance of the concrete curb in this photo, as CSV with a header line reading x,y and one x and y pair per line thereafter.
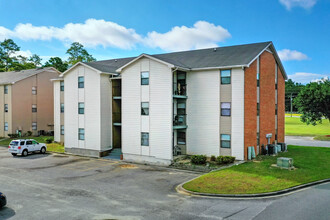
x,y
283,192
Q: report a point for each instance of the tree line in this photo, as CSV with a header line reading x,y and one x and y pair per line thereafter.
x,y
10,61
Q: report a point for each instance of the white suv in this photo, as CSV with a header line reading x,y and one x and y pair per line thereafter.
x,y
25,146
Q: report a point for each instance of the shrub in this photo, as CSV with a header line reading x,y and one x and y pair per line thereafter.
x,y
28,133
13,135
225,159
49,140
213,158
198,159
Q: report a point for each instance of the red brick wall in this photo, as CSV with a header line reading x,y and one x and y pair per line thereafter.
x,y
280,106
267,97
250,107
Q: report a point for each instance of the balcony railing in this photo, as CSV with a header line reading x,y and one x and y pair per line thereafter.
x,y
116,117
179,120
179,89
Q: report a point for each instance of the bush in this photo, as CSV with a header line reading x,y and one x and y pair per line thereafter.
x,y
198,159
213,158
225,159
28,133
13,135
49,140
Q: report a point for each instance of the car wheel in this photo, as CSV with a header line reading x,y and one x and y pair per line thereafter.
x,y
24,153
14,154
43,150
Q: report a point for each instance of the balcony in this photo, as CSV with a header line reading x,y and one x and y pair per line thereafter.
x,y
116,91
179,122
179,90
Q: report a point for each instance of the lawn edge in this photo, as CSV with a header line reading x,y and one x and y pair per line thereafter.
x,y
282,192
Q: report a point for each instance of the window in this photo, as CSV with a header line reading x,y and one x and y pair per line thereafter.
x,y
34,126
28,142
34,90
145,139
5,89
62,107
225,140
181,137
34,108
22,142
225,76
144,108
62,85
275,86
258,139
276,134
62,129
81,133
81,82
6,107
34,142
6,126
258,109
258,80
225,108
81,108
275,109
144,78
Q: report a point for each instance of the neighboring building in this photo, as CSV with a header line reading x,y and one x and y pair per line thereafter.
x,y
214,101
27,102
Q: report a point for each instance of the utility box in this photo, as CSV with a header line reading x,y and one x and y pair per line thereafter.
x,y
285,162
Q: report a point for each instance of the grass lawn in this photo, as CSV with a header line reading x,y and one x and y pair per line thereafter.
x,y
312,163
289,114
322,138
293,126
55,147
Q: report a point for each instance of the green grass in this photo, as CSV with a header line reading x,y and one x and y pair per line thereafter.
x,y
293,126
289,114
40,139
322,138
55,147
312,163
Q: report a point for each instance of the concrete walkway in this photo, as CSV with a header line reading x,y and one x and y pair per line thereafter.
x,y
305,141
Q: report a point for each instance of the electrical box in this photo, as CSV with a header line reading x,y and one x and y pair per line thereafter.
x,y
285,162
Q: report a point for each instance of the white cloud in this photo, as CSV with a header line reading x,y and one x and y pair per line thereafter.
x,y
24,53
94,32
203,34
302,77
287,54
306,4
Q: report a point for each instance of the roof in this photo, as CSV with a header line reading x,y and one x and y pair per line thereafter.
x,y
219,57
15,76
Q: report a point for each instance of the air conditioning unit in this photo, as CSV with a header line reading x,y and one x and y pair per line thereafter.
x,y
285,162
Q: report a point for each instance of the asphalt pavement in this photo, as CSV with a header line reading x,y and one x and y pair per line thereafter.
x,y
68,187
305,141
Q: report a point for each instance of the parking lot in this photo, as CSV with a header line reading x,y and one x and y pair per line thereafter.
x,y
55,186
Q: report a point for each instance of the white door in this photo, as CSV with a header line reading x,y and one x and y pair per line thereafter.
x,y
29,146
35,145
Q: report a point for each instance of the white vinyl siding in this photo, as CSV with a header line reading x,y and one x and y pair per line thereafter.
x,y
106,112
203,112
237,114
57,112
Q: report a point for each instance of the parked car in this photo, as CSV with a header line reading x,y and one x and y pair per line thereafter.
x,y
3,200
26,146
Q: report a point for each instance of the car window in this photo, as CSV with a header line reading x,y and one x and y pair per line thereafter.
x,y
22,142
28,142
34,142
14,143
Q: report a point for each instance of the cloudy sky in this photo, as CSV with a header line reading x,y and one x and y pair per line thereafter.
x,y
299,29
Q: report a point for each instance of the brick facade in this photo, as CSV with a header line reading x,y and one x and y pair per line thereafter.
x,y
250,107
280,106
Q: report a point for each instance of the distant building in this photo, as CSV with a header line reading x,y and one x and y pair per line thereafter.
x,y
27,100
216,101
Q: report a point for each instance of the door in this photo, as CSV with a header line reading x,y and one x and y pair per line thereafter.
x,y
36,146
29,146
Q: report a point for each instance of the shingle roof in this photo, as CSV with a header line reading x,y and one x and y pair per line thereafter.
x,y
15,76
239,55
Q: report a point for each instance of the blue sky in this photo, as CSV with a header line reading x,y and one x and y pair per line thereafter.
x,y
299,29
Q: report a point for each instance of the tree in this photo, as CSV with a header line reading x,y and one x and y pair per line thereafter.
x,y
57,63
78,54
35,59
313,101
7,50
291,91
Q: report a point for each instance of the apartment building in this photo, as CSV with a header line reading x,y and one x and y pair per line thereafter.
x,y
26,98
216,101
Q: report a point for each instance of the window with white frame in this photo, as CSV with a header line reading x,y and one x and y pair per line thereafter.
x,y
6,126
225,76
6,107
62,85
34,90
34,126
225,109
145,78
34,108
144,138
81,108
81,82
5,88
62,107
144,108
81,133
62,129
225,140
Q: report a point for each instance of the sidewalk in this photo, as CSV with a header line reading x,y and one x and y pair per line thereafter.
x,y
305,141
